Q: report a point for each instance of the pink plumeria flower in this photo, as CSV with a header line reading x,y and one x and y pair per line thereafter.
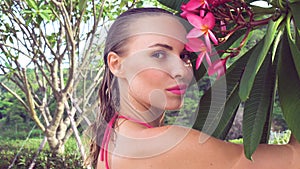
x,y
219,67
203,26
186,10
197,45
194,4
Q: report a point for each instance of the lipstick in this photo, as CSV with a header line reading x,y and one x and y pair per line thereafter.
x,y
178,89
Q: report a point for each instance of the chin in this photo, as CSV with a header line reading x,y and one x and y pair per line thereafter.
x,y
174,106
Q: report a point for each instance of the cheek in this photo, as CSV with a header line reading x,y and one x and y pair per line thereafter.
x,y
148,87
147,81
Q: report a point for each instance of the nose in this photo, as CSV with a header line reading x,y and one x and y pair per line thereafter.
x,y
180,69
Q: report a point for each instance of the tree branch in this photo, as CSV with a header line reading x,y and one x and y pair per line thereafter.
x,y
15,95
75,130
31,102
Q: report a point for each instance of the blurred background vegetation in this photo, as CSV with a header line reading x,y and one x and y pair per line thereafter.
x,y
20,137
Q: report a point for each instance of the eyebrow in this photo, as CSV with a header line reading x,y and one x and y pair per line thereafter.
x,y
162,45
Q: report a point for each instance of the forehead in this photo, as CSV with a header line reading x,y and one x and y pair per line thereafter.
x,y
164,25
164,29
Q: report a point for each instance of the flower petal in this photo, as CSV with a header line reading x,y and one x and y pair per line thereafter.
x,y
207,59
195,20
209,20
219,67
183,14
199,60
194,45
194,33
207,42
202,12
193,4
213,37
221,72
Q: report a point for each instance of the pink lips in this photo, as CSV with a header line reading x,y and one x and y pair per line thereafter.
x,y
178,89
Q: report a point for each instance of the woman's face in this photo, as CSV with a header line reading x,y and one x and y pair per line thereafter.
x,y
156,69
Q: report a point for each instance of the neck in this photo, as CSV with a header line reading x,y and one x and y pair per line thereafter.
x,y
135,109
152,115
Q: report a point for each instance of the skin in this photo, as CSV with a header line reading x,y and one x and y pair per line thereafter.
x,y
143,89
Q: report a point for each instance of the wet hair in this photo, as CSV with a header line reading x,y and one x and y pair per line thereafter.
x,y
109,93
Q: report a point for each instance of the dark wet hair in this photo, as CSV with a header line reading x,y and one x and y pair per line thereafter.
x,y
108,93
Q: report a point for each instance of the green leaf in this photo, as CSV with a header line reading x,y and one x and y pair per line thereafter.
x,y
269,118
32,4
229,111
256,60
198,74
173,4
296,55
260,10
293,1
25,11
289,88
45,16
294,49
7,65
259,106
11,39
215,118
297,37
296,13
28,21
276,42
82,4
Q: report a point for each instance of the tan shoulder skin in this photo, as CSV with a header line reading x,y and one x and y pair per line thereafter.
x,y
189,153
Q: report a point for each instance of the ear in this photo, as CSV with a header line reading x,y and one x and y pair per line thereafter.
x,y
114,62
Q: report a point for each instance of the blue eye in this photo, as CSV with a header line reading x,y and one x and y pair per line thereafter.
x,y
159,54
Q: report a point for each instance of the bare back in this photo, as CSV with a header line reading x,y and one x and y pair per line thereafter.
x,y
191,154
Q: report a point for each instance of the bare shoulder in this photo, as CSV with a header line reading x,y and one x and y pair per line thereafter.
x,y
174,147
179,147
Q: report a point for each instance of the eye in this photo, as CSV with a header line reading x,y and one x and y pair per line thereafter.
x,y
159,54
186,57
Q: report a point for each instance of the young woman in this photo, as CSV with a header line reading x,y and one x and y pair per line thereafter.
x,y
148,71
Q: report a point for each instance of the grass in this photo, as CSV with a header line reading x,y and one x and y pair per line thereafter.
x,y
10,148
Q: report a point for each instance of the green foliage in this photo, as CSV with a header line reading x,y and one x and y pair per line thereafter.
x,y
231,80
18,129
237,141
254,64
280,137
37,11
9,149
256,113
288,87
12,110
59,41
